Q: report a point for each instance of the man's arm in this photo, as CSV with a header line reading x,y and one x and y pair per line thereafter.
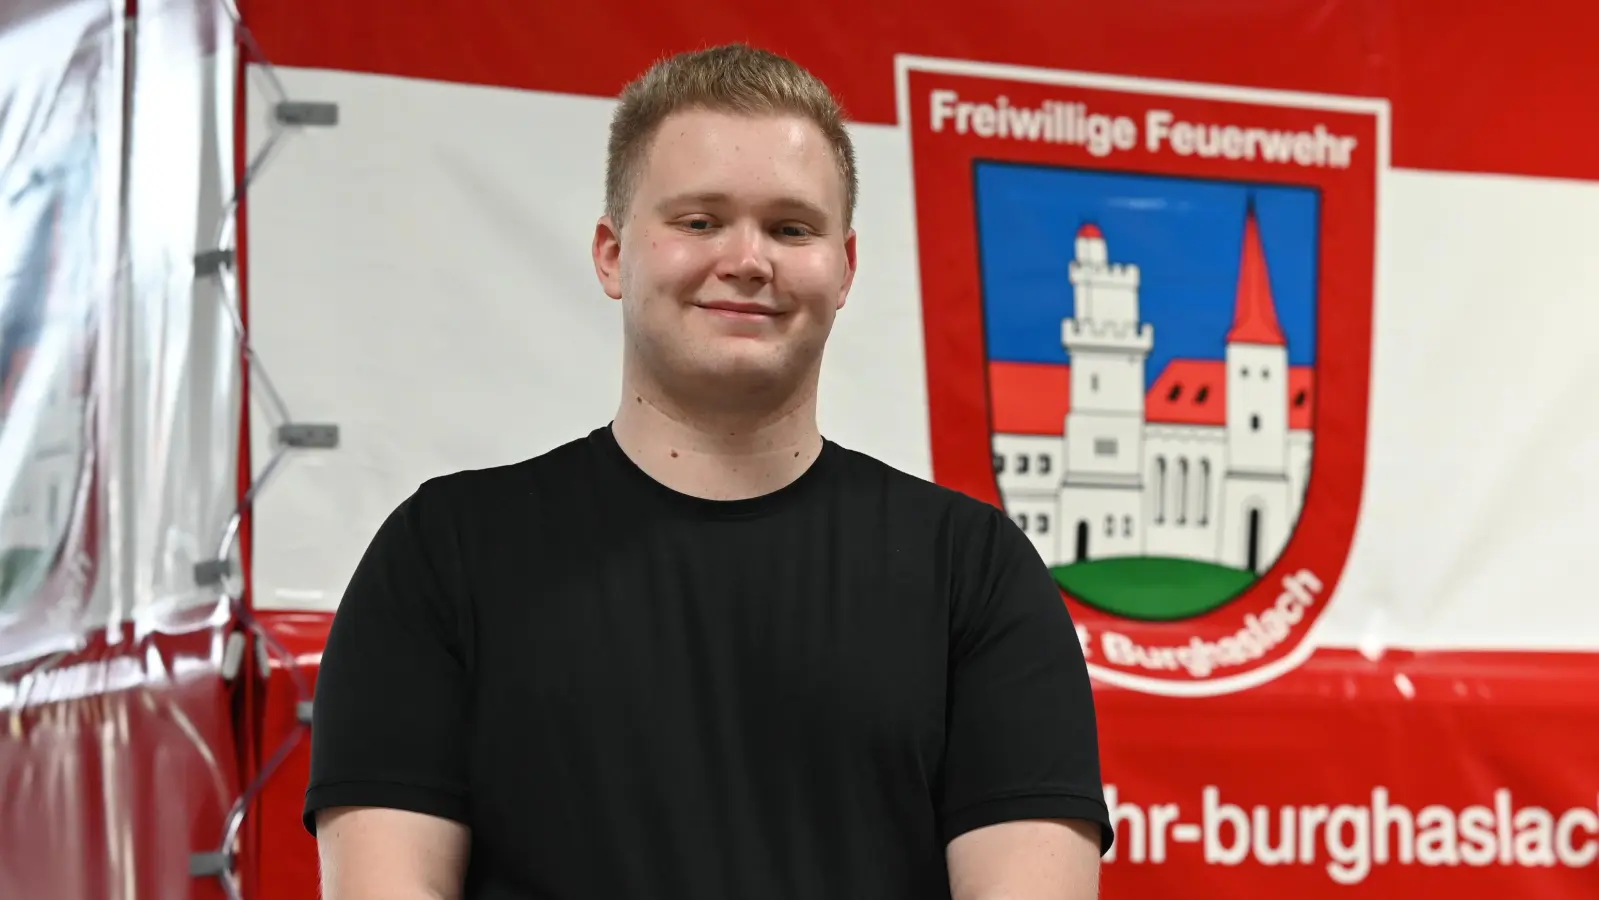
x,y
1032,859
389,792
371,853
1024,813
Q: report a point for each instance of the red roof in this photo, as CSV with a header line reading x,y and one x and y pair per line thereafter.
x,y
1033,398
1090,230
1189,392
1194,392
1254,310
1029,398
1301,397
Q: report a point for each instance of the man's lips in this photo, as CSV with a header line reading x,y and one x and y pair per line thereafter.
x,y
739,309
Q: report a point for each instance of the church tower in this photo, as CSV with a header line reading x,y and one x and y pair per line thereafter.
x,y
1106,344
1256,508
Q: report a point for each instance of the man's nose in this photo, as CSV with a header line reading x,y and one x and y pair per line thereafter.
x,y
745,254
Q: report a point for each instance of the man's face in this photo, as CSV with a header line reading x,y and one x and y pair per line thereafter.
x,y
735,256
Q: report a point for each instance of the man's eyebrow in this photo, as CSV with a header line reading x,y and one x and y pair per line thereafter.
x,y
693,197
786,204
804,207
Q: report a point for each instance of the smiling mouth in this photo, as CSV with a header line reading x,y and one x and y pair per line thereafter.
x,y
750,311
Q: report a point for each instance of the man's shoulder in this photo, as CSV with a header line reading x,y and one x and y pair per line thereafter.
x,y
478,489
914,498
969,544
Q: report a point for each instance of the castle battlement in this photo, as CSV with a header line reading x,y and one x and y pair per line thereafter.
x,y
1076,334
1103,274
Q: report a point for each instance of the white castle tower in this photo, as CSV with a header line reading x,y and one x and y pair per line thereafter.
x,y
1257,506
1102,487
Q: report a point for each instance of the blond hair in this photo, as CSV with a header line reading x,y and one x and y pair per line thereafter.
x,y
732,78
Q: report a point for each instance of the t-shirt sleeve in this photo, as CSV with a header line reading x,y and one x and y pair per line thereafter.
x,y
1023,740
390,715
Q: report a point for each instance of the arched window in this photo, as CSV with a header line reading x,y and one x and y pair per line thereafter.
x,y
1160,489
1181,496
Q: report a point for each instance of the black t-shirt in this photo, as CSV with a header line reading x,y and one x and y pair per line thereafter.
x,y
628,692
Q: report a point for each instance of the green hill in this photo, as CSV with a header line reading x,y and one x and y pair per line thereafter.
x,y
1152,588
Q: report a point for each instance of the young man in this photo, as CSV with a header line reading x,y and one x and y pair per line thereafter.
x,y
703,652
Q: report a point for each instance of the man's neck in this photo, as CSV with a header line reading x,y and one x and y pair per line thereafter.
x,y
717,455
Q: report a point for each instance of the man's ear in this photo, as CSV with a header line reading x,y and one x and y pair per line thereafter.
x,y
607,252
849,273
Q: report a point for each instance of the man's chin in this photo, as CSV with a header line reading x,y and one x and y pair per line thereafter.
x,y
746,371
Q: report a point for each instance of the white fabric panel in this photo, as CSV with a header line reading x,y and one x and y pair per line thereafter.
x,y
180,404
1477,528
420,275
60,141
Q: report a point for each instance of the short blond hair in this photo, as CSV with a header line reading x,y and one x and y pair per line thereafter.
x,y
732,78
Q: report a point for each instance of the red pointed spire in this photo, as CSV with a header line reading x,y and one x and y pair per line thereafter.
x,y
1254,311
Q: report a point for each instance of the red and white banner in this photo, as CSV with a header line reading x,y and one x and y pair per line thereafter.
x,y
1271,326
